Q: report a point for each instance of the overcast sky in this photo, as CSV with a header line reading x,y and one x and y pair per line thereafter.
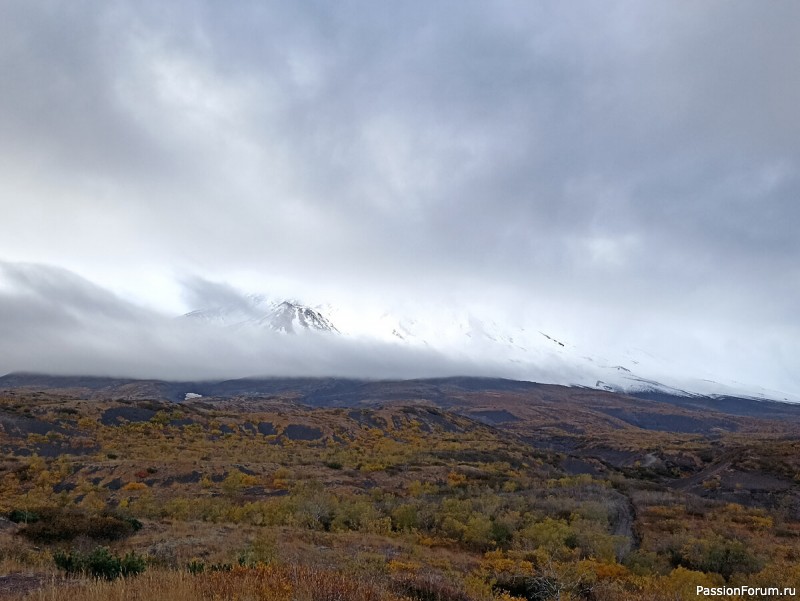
x,y
621,170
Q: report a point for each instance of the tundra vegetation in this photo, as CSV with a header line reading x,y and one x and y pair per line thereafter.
x,y
271,500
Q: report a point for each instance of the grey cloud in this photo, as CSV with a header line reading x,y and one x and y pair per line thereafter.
x,y
200,293
619,159
60,63
57,294
56,322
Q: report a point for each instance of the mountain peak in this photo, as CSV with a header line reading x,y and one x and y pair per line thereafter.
x,y
287,316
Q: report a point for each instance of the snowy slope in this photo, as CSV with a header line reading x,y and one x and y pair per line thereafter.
x,y
509,348
290,317
256,311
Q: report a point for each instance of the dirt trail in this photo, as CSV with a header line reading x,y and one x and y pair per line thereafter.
x,y
623,522
723,463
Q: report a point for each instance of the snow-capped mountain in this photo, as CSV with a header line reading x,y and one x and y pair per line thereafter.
x,y
290,317
510,348
255,311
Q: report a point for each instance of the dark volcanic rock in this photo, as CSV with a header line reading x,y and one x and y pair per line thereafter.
x,y
191,478
491,417
366,418
117,415
21,426
574,466
670,422
301,432
266,428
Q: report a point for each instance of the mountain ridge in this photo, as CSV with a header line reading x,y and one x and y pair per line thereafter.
x,y
527,350
445,392
287,316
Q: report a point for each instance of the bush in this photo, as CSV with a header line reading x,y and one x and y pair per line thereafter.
x,y
428,587
100,563
196,567
405,518
719,556
728,558
58,525
23,516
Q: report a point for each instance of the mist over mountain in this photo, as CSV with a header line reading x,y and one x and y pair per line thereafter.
x,y
514,348
57,322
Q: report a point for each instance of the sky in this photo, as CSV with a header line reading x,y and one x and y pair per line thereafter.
x,y
623,172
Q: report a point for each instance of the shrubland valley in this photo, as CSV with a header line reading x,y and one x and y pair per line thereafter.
x,y
430,490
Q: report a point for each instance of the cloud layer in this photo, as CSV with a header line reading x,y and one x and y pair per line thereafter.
x,y
613,168
56,322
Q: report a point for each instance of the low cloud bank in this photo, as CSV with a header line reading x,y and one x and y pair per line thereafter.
x,y
54,321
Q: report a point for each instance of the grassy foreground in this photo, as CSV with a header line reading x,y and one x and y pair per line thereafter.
x,y
269,500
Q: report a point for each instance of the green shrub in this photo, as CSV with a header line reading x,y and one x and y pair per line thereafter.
x,y
59,525
196,567
728,558
721,556
405,518
100,563
23,516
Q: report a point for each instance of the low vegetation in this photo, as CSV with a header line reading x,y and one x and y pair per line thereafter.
x,y
100,563
266,499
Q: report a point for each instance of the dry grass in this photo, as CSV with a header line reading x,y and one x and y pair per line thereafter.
x,y
261,583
